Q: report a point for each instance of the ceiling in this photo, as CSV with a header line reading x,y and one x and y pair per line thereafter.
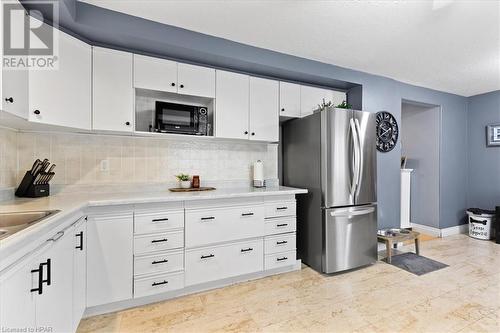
x,y
447,45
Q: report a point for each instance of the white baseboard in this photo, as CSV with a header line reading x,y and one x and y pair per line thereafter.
x,y
436,232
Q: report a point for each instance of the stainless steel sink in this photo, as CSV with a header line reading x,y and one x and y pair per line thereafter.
x,y
10,223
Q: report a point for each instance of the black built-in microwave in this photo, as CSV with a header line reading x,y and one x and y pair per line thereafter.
x,y
180,118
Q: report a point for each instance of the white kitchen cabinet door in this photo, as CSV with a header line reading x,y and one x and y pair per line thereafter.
x,y
15,92
232,105
113,102
54,307
17,301
195,80
264,117
289,99
109,258
311,98
63,96
155,73
79,271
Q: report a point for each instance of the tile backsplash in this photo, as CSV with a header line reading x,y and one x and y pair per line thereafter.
x,y
128,160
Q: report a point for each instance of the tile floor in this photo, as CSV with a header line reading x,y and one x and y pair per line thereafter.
x,y
464,297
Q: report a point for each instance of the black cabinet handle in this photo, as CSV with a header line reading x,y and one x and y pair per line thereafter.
x,y
282,109
208,218
40,280
281,208
159,283
49,270
246,132
80,235
281,242
172,84
247,250
127,123
36,112
159,220
159,240
209,256
159,261
282,225
281,259
253,133
10,100
247,214
182,86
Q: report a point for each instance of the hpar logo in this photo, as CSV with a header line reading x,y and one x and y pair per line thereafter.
x,y
28,42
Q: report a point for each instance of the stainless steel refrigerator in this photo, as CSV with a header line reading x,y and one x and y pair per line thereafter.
x,y
332,153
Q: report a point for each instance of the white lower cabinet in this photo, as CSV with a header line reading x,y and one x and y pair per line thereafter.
x,y
223,261
109,258
280,225
158,242
168,261
156,284
281,259
280,243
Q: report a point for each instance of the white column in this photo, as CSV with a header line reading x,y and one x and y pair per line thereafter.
x,y
405,197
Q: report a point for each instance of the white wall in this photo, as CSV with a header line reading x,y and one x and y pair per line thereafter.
x,y
132,160
420,144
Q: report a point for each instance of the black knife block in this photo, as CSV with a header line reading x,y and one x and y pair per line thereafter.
x,y
30,190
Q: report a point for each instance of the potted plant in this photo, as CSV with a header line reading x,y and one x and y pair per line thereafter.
x,y
184,181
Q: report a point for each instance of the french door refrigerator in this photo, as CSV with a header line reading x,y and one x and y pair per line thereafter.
x,y
332,153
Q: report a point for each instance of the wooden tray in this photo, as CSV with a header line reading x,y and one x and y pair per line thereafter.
x,y
192,189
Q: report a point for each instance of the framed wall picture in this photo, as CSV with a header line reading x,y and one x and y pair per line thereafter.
x,y
493,135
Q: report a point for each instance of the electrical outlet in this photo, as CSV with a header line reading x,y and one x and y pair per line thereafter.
x,y
105,165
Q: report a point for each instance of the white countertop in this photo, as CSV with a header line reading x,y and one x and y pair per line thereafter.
x,y
73,204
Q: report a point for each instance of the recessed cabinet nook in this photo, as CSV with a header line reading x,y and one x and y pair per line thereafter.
x,y
106,90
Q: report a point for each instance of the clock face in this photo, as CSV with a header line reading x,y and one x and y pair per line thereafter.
x,y
387,131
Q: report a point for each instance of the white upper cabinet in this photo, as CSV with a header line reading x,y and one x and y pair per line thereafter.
x,y
289,99
113,102
155,74
311,98
338,97
264,117
195,80
63,96
232,105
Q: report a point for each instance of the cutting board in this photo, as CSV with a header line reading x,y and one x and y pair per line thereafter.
x,y
192,189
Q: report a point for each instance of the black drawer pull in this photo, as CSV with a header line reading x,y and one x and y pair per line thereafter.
x,y
281,208
208,218
80,236
159,261
40,279
159,240
247,214
281,242
281,259
159,220
282,225
159,283
247,249
209,256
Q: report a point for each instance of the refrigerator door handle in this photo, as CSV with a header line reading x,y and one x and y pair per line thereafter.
x,y
351,212
360,160
357,153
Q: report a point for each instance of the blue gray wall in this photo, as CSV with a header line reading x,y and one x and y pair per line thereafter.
x,y
107,28
484,162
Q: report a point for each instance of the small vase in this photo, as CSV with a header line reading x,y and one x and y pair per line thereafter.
x,y
185,184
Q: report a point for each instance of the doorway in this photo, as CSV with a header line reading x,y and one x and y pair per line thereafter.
x,y
420,145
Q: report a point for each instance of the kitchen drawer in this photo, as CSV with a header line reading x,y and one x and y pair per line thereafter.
x,y
158,284
216,225
279,243
223,261
279,259
158,221
163,262
279,209
281,225
158,242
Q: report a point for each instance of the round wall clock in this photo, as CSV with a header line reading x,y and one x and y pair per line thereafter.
x,y
387,131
